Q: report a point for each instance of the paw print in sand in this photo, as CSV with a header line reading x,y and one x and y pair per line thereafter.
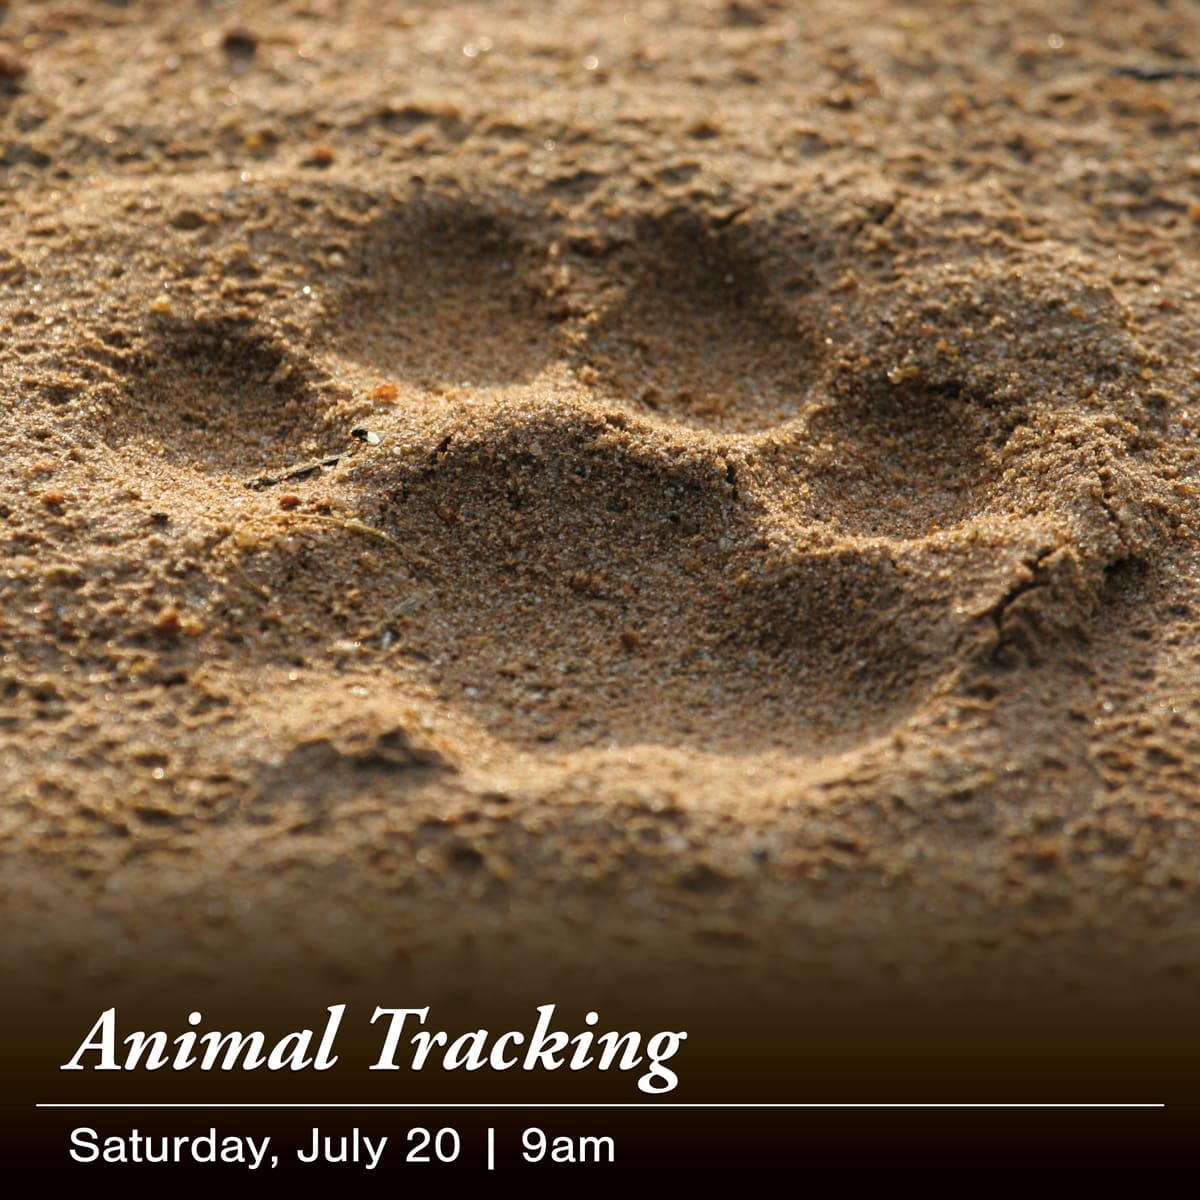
x,y
695,487
737,508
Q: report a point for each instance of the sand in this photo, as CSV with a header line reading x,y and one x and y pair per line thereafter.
x,y
689,500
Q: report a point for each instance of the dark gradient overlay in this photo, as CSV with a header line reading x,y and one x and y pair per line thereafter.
x,y
1125,1045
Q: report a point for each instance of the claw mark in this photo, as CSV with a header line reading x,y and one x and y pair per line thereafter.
x,y
731,478
1035,580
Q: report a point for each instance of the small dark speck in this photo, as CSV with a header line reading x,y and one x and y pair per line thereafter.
x,y
240,43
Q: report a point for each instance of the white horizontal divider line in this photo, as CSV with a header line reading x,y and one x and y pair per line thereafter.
x,y
642,1106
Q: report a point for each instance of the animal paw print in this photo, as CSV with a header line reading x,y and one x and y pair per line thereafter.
x,y
752,511
697,485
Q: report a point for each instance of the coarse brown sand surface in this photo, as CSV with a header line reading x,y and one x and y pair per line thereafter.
x,y
685,500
